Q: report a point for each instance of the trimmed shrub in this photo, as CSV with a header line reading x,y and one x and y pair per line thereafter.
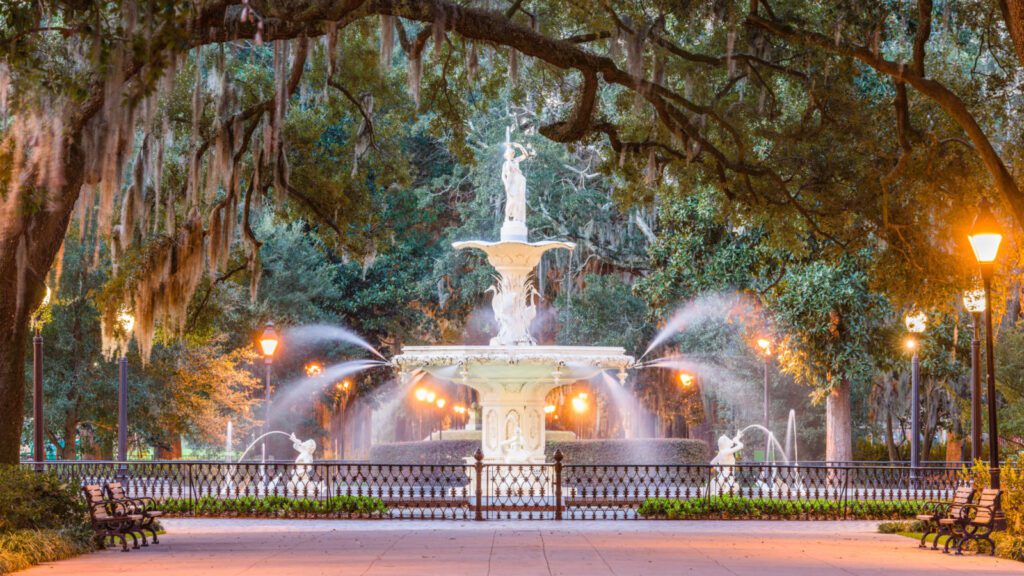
x,y
651,451
275,506
738,507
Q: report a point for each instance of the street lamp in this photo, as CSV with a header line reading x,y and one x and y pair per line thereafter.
x,y
985,236
344,388
686,380
313,369
974,302
38,448
915,323
766,350
268,345
127,322
579,405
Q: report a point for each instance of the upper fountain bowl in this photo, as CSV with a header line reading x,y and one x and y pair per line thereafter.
x,y
513,368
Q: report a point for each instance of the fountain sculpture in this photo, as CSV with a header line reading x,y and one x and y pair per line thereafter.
x,y
514,374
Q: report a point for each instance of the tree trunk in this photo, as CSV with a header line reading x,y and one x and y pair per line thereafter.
x,y
890,441
1013,16
954,448
70,435
838,428
36,234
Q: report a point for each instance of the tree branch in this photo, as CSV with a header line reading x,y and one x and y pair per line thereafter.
x,y
937,92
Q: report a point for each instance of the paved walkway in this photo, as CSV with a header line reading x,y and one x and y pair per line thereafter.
x,y
573,548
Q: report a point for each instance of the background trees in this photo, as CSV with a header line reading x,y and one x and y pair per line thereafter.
x,y
166,131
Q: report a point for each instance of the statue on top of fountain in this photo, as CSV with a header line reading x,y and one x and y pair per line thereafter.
x,y
514,298
512,178
514,181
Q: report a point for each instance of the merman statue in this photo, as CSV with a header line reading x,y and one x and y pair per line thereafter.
x,y
725,460
515,451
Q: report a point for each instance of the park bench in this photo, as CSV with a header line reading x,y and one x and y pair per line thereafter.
x,y
975,523
110,519
936,511
141,506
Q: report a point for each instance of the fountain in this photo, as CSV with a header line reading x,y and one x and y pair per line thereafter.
x,y
300,483
771,482
513,374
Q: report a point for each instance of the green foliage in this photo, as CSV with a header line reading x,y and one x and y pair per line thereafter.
x,y
604,313
739,507
830,322
37,501
43,519
274,506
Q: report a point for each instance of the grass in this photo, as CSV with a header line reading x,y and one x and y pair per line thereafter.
x,y
20,549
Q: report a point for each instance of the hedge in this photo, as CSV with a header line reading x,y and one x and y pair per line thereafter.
x,y
739,507
652,451
278,506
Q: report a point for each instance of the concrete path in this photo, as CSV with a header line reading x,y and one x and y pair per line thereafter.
x,y
573,548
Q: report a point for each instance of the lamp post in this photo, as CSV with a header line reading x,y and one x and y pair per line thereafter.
x,y
127,322
985,236
38,448
440,418
766,350
915,323
974,302
268,345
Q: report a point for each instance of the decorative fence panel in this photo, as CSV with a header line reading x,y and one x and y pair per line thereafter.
x,y
482,491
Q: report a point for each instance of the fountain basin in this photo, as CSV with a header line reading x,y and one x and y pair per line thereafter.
x,y
512,383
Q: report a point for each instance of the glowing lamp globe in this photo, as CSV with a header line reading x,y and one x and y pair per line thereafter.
x,y
765,345
549,409
985,235
126,320
268,341
686,380
974,301
915,322
421,394
579,404
441,402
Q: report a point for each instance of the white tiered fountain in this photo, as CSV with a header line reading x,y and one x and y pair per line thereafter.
x,y
513,375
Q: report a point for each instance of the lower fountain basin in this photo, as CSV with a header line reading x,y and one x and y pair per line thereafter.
x,y
512,383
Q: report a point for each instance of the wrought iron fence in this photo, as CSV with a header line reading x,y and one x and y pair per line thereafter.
x,y
554,490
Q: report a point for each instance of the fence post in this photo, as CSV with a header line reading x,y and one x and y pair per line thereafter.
x,y
479,466
558,484
846,492
191,489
